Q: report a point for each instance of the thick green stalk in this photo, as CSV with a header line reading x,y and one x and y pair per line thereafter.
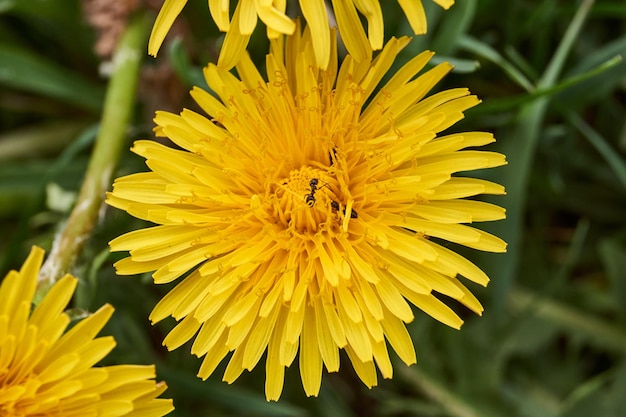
x,y
118,108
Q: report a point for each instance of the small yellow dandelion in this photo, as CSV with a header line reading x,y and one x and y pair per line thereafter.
x,y
272,13
46,371
307,210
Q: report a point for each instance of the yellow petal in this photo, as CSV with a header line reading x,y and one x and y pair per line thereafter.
x,y
414,11
374,15
235,42
164,21
219,12
314,11
310,357
274,18
352,31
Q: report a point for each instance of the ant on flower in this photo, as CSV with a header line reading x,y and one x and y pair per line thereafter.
x,y
310,198
335,206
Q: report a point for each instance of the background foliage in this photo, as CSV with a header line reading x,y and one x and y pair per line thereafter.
x,y
552,340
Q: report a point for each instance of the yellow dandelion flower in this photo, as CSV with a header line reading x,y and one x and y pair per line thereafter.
x,y
305,207
45,371
272,13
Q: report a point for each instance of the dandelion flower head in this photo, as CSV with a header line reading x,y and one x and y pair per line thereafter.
x,y
304,209
46,371
272,13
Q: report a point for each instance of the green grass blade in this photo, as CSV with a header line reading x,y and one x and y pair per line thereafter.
x,y
437,392
599,332
520,149
509,103
455,24
25,71
612,256
615,161
485,51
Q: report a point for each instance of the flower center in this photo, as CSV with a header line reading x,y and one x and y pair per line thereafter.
x,y
308,200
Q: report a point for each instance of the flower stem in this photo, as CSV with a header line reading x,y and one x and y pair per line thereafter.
x,y
118,107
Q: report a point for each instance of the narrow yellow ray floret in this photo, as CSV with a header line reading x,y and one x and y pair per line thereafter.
x,y
47,371
273,14
306,213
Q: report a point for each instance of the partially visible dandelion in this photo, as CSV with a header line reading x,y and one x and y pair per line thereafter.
x,y
308,211
46,371
272,13
414,11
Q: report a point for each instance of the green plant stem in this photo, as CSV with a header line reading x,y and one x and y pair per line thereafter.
x,y
450,402
118,108
604,334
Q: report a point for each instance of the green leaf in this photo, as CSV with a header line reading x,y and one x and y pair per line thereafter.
x,y
38,140
613,256
44,8
587,399
461,66
55,29
509,103
615,161
600,332
487,52
520,149
595,88
454,24
25,71
616,402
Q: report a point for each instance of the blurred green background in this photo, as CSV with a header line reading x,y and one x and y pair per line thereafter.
x,y
552,340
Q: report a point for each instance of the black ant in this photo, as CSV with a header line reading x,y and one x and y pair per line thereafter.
x,y
335,206
310,198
